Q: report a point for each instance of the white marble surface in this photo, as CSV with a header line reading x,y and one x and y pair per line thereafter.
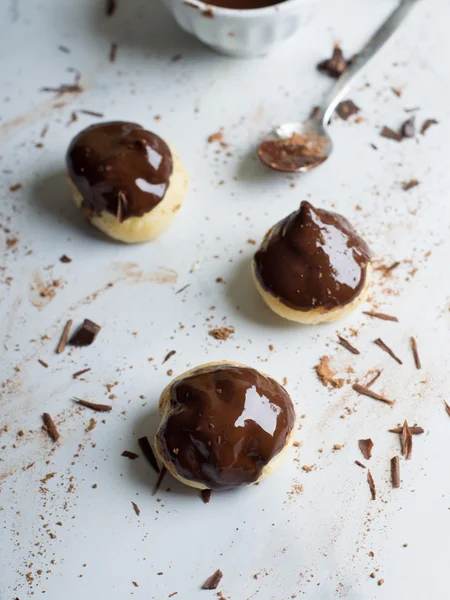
x,y
312,545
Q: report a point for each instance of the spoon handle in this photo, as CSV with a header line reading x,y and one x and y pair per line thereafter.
x,y
381,35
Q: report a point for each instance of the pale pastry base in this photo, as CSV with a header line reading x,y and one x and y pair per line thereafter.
x,y
315,315
148,227
164,409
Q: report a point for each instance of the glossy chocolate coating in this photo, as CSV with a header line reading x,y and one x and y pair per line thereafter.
x,y
119,167
225,425
312,259
243,4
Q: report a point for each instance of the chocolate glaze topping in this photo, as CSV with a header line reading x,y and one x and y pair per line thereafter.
x,y
312,259
225,424
119,167
243,4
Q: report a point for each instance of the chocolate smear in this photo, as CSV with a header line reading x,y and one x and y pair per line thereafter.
x,y
64,337
447,408
346,109
381,316
82,372
213,581
85,334
415,430
334,66
346,344
408,129
169,355
389,133
136,508
43,363
360,464
206,496
65,259
148,452
406,441
366,448
427,124
110,7
379,342
415,353
113,52
159,480
326,374
93,406
371,483
368,392
130,455
395,472
50,427
408,185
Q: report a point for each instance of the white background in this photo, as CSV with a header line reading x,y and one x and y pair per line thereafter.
x,y
315,544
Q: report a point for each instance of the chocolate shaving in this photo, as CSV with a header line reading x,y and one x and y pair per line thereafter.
x,y
65,259
346,109
206,496
64,337
415,353
130,455
408,129
121,206
78,373
110,8
367,392
113,52
346,344
159,480
372,381
389,133
371,483
183,288
93,406
447,408
16,187
427,124
213,581
334,66
144,444
391,268
360,464
366,448
406,441
381,316
415,430
408,185
92,113
50,427
136,508
43,363
172,594
379,342
395,472
169,355
85,334
64,88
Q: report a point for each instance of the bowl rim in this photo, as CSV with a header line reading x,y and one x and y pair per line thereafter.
x,y
242,12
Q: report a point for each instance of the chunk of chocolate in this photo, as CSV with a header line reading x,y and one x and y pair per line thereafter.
x,y
408,129
85,334
312,259
334,66
119,167
213,580
395,472
346,109
225,424
366,448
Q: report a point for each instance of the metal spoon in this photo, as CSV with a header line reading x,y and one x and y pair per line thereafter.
x,y
299,147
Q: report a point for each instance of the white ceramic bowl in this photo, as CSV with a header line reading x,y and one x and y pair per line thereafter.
x,y
241,33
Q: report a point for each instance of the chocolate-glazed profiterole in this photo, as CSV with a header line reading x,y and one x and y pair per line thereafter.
x,y
312,266
222,425
126,179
